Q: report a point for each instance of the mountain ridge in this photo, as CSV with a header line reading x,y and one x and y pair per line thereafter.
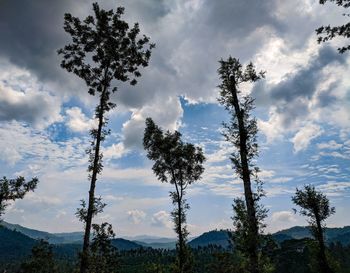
x,y
214,237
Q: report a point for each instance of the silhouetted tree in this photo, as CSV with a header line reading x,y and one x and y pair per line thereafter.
x,y
327,33
41,260
315,206
241,131
180,164
103,255
103,49
12,189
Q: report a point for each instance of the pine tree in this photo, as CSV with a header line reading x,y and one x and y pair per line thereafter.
x,y
103,49
179,164
241,132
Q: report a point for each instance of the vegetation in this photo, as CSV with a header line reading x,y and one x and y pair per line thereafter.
x,y
12,189
179,164
103,49
41,260
327,33
241,132
315,206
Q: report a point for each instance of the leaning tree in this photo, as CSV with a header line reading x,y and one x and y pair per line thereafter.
x,y
315,206
179,164
103,50
241,132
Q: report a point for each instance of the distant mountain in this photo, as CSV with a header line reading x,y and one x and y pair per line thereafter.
x,y
150,239
155,245
221,237
332,235
215,237
123,244
52,238
14,244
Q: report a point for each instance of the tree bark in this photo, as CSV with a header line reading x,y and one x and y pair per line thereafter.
x,y
84,258
179,210
323,263
249,200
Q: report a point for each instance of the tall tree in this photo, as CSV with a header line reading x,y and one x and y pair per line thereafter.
x,y
241,132
327,33
12,189
103,49
315,206
179,164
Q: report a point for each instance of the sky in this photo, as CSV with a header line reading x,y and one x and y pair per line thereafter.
x,y
302,108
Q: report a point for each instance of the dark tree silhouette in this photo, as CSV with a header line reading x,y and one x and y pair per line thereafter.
x,y
315,206
41,260
180,164
327,33
12,189
103,49
241,131
104,256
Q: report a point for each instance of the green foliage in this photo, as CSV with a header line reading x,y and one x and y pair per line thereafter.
x,y
41,260
12,189
82,212
103,255
315,206
327,33
103,49
241,132
180,164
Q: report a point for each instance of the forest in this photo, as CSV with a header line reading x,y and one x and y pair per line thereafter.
x,y
106,54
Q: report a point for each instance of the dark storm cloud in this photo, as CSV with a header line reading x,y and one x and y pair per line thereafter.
x,y
303,83
37,108
291,97
239,17
31,32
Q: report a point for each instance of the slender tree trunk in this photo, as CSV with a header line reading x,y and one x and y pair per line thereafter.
x,y
250,204
180,235
323,263
84,258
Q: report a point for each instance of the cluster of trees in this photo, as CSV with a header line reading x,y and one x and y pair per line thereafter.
x,y
104,49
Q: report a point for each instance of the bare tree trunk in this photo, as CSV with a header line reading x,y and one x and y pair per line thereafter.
x,y
250,204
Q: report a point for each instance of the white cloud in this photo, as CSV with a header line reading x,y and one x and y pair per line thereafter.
x,y
23,99
77,121
161,219
283,216
136,216
115,151
166,113
305,135
330,145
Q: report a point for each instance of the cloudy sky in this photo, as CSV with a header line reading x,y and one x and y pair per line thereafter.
x,y
303,111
